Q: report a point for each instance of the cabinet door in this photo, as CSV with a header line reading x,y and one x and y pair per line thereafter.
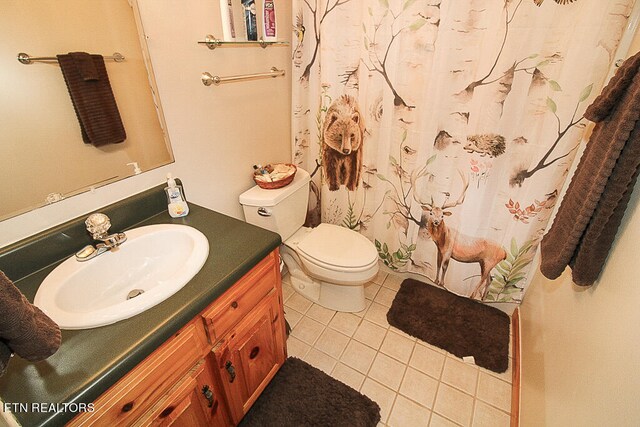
x,y
193,401
250,356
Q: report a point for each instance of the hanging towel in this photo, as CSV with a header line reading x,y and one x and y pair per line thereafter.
x,y
5,356
594,204
24,329
88,83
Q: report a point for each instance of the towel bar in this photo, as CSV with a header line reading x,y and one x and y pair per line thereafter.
x,y
24,58
208,79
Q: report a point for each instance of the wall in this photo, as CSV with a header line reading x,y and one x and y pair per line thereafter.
x,y
580,347
217,133
222,131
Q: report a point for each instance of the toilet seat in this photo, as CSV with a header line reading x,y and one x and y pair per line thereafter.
x,y
337,248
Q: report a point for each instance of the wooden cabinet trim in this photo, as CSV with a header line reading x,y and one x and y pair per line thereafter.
x,y
240,299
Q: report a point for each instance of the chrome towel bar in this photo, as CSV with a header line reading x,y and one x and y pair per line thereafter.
x,y
24,58
208,79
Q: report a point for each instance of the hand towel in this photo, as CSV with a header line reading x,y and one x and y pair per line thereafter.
x,y
24,328
592,209
92,97
5,356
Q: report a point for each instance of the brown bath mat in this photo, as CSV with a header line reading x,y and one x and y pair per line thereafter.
x,y
301,395
458,325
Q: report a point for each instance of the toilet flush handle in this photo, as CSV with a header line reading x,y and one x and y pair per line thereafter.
x,y
264,212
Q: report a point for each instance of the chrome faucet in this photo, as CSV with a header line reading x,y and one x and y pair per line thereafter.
x,y
98,224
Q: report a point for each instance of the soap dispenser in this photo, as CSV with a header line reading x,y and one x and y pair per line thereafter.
x,y
175,198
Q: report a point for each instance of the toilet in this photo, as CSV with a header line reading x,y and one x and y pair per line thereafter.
x,y
327,264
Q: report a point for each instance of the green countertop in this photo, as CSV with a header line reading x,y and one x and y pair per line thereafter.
x,y
91,360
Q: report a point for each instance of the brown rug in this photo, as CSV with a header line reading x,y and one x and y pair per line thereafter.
x,y
458,325
301,395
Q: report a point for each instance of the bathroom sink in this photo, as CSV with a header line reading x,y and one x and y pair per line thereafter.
x,y
154,263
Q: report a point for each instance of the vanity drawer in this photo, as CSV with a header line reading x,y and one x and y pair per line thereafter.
x,y
136,392
238,301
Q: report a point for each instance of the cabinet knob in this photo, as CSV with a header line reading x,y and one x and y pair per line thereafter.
x,y
127,407
231,370
234,304
208,394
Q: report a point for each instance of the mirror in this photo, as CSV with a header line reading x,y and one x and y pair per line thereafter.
x,y
42,154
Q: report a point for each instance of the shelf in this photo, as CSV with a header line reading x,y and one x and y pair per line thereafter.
x,y
211,42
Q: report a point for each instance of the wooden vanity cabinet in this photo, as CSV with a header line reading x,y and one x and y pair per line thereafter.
x,y
213,369
249,356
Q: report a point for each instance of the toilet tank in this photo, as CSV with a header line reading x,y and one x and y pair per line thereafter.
x,y
282,210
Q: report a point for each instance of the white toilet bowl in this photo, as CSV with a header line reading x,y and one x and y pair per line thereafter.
x,y
328,264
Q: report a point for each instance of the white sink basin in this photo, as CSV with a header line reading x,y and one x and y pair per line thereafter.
x,y
157,260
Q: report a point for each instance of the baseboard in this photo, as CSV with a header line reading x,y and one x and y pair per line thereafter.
x,y
515,369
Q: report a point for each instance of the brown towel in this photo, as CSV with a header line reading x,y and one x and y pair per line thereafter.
x,y
93,101
592,209
5,356
24,328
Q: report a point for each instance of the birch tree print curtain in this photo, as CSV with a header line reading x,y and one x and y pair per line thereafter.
x,y
443,130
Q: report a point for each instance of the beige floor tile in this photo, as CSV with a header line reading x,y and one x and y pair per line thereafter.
x,y
440,421
371,290
370,334
367,304
488,416
347,375
393,282
320,360
427,360
407,413
292,316
454,404
320,313
377,313
385,296
403,333
347,323
415,383
287,291
398,346
380,277
297,348
387,371
494,391
419,387
358,356
298,303
332,342
380,394
307,330
461,375
504,376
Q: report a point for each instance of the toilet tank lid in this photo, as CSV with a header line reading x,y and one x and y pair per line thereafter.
x,y
256,196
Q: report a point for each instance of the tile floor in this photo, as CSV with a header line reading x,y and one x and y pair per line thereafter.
x,y
415,384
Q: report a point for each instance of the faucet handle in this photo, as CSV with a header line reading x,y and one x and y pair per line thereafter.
x,y
98,224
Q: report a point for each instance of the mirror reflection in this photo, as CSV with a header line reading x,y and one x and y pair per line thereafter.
x,y
42,152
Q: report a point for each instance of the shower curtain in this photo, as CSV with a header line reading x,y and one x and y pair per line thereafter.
x,y
443,130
